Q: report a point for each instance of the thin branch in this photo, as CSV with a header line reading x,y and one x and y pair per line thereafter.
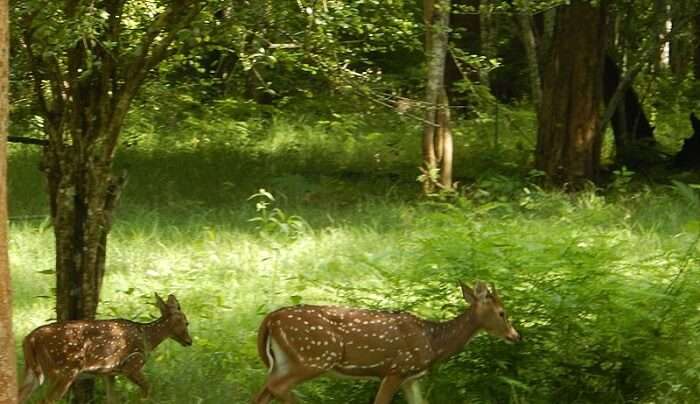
x,y
27,140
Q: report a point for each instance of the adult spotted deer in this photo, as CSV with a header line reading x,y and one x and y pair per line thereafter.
x,y
302,342
59,352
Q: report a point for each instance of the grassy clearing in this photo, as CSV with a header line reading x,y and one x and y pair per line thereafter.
x,y
588,279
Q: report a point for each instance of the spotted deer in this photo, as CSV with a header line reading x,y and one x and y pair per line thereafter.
x,y
299,343
59,352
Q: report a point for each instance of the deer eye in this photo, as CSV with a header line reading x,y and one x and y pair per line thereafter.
x,y
502,314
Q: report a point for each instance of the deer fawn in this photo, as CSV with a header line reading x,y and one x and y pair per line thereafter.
x,y
302,342
59,352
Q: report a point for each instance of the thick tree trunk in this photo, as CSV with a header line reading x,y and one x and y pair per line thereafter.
x,y
437,139
543,26
8,366
696,44
629,122
569,142
83,194
83,198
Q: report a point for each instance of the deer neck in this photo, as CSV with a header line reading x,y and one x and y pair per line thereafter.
x,y
155,332
449,337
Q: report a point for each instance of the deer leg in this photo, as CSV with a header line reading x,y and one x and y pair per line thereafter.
x,y
59,385
132,370
281,388
263,397
109,387
30,383
389,386
411,390
139,379
286,372
279,385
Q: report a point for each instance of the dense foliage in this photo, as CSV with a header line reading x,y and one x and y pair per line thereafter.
x,y
273,158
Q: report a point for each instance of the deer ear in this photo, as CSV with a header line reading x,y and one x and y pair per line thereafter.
x,y
161,304
494,293
172,302
481,291
468,293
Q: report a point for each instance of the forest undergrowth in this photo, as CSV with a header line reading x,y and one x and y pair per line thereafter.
x,y
603,284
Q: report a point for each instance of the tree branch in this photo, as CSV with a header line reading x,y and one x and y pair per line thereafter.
x,y
51,114
147,56
27,140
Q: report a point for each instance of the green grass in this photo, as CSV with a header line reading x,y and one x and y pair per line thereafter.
x,y
584,277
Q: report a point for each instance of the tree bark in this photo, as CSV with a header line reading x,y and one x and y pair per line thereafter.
x,y
527,36
696,60
83,194
629,122
488,37
543,25
437,138
569,142
8,366
468,30
679,46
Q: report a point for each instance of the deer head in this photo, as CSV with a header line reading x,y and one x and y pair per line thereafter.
x,y
175,319
487,310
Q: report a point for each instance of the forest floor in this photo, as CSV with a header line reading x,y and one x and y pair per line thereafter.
x,y
603,284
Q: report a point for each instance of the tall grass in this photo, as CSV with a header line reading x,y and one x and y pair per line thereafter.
x,y
603,285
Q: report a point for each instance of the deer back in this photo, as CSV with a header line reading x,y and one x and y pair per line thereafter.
x,y
99,346
353,341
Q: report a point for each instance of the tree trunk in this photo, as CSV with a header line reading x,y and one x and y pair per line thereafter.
x,y
696,43
437,139
83,197
488,37
568,142
679,46
83,194
543,25
527,35
443,140
629,122
8,366
468,30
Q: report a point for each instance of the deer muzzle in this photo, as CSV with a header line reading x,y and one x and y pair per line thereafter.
x,y
513,335
185,341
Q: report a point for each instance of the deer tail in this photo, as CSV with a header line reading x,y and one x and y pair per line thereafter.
x,y
264,348
31,366
33,375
